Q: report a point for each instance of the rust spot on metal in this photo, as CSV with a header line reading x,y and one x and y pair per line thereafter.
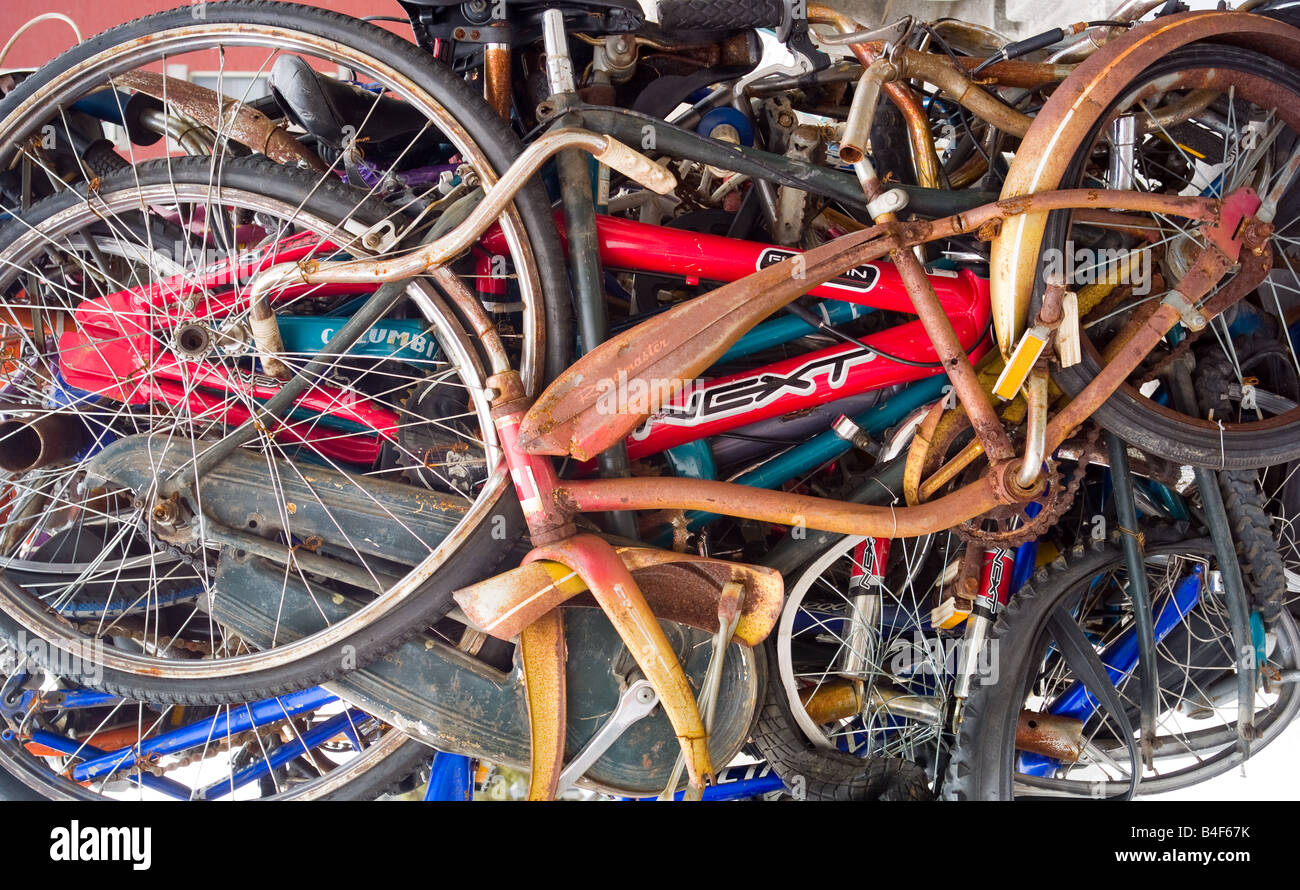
x,y
241,122
1060,738
497,79
831,701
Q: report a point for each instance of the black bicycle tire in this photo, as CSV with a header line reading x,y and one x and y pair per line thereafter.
x,y
813,773
981,767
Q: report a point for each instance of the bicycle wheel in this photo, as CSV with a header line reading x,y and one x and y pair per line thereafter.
x,y
1204,120
859,702
313,548
1001,749
1261,504
61,741
1279,489
309,87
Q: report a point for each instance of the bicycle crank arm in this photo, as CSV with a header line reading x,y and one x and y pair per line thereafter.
x,y
637,702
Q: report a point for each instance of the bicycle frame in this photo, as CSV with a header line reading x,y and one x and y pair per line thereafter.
x,y
823,264
674,347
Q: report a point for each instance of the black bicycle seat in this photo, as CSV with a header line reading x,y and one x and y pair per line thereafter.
x,y
480,21
327,108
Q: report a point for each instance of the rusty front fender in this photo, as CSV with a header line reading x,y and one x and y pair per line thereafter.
x,y
1070,114
679,587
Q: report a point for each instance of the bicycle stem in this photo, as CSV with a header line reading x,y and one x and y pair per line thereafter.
x,y
924,157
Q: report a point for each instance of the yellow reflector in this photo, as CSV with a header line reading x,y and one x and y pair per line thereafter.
x,y
1021,363
946,615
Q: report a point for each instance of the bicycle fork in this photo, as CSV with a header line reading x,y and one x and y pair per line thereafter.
x,y
991,595
866,580
600,568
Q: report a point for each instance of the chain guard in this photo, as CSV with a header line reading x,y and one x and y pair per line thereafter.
x,y
433,691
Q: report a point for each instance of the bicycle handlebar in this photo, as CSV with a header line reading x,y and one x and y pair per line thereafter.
x,y
496,199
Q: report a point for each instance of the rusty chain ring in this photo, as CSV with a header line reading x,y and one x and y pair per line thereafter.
x,y
940,432
1059,498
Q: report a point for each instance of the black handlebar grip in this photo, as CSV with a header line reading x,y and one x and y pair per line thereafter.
x,y
720,15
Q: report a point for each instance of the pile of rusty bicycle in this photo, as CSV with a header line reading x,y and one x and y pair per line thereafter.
x,y
753,402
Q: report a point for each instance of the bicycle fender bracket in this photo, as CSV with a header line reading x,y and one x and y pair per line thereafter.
x,y
1192,319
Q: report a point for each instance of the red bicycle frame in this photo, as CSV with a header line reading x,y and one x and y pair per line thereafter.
x,y
726,403
112,348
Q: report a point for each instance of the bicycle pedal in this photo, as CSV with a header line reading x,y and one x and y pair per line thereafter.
x,y
1021,362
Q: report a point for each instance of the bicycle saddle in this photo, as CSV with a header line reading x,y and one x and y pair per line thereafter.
x,y
326,107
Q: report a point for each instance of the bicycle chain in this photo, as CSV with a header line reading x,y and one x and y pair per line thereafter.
x,y
181,761
1151,371
219,745
188,556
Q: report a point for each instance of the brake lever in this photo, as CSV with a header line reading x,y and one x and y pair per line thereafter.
x,y
794,40
895,32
